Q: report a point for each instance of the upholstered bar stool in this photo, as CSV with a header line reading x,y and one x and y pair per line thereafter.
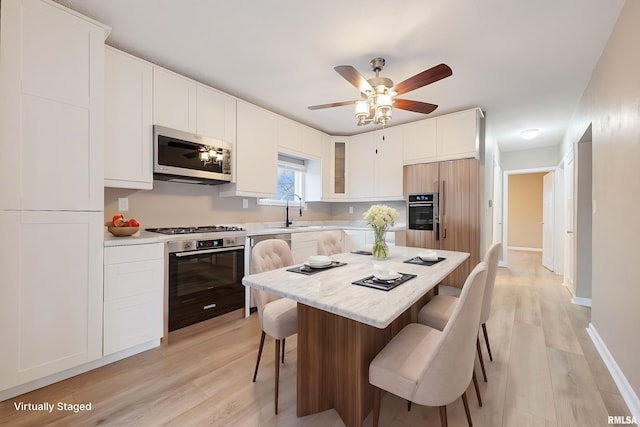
x,y
329,244
436,313
428,366
278,316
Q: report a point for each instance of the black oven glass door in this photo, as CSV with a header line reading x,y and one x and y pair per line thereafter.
x,y
422,216
204,284
175,152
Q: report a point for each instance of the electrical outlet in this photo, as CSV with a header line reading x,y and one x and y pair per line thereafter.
x,y
350,209
245,203
123,204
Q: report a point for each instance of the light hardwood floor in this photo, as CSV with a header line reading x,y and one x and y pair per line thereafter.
x,y
546,372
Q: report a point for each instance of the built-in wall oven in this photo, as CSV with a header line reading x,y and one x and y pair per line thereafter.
x,y
205,278
422,210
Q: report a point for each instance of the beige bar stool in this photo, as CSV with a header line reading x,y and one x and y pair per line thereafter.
x,y
431,367
278,316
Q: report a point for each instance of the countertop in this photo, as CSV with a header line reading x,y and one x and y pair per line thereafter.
x,y
332,290
144,237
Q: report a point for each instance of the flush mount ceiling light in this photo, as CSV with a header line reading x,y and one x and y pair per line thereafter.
x,y
529,133
379,93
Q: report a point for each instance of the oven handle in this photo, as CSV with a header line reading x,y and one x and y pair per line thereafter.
x,y
207,251
414,204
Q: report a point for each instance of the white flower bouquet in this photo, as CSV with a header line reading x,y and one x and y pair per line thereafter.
x,y
381,218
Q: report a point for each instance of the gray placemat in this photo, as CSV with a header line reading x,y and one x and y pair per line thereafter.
x,y
420,261
304,269
385,285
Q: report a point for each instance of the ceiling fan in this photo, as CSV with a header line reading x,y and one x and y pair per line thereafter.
x,y
379,93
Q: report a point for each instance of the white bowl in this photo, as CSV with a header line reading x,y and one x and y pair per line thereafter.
x,y
428,256
318,261
387,275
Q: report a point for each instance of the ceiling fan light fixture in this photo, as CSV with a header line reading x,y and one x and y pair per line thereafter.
x,y
529,133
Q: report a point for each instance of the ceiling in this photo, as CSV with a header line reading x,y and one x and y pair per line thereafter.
x,y
524,63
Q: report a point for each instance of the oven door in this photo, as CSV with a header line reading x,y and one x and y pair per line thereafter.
x,y
422,216
204,284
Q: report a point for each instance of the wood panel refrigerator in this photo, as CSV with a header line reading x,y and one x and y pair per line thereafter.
x,y
458,185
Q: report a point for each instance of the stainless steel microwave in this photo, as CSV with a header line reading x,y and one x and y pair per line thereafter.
x,y
184,157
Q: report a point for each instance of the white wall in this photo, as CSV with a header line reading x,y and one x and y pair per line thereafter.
x,y
544,157
611,103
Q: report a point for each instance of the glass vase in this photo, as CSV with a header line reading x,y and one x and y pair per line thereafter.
x,y
380,248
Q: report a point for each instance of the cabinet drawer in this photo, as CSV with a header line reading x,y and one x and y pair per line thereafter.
x,y
133,278
132,321
133,253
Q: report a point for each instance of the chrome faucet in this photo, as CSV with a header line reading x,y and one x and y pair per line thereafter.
x,y
287,222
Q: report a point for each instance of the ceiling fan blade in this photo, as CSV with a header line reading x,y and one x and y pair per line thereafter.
x,y
424,78
415,106
334,104
354,77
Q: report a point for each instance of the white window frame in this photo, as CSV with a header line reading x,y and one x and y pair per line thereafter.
x,y
300,170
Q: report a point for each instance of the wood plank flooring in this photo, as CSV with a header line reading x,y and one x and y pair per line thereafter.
x,y
546,372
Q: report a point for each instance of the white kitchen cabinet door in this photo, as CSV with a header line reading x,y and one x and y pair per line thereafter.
x,y
289,136
362,169
51,293
174,101
215,114
313,142
458,135
420,142
388,163
133,295
52,129
128,153
304,245
256,164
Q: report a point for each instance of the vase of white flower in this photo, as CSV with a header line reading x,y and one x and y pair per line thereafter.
x,y
381,218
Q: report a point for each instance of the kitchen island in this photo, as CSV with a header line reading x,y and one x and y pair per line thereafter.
x,y
341,326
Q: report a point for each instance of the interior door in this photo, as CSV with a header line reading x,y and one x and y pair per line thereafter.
x,y
569,242
547,220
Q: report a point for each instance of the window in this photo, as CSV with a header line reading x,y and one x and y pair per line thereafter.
x,y
291,173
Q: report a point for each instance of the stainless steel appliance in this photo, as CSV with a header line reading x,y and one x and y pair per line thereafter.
x,y
205,272
183,157
422,210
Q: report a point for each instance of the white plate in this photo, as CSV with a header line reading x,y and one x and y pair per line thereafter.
x,y
317,265
428,256
390,275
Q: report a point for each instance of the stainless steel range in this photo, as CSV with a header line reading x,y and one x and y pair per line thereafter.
x,y
206,265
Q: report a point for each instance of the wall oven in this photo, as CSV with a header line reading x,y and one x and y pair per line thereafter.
x,y
205,279
423,212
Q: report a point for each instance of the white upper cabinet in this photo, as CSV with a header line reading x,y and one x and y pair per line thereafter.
x,y
182,104
420,143
375,165
128,153
52,108
459,135
300,140
449,137
256,153
215,114
174,101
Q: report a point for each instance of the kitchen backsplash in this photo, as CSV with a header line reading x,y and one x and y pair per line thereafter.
x,y
178,204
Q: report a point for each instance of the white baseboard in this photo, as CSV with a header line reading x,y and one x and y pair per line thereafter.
x,y
585,302
629,396
523,248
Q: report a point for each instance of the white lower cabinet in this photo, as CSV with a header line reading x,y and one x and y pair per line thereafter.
x,y
304,245
133,295
50,293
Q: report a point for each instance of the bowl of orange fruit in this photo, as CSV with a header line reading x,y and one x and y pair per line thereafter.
x,y
120,227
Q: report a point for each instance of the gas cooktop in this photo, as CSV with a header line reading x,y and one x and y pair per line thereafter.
x,y
194,230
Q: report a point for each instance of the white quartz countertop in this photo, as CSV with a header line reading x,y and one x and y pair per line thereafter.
x,y
140,238
332,289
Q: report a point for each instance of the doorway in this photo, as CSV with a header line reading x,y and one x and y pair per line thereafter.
x,y
523,210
